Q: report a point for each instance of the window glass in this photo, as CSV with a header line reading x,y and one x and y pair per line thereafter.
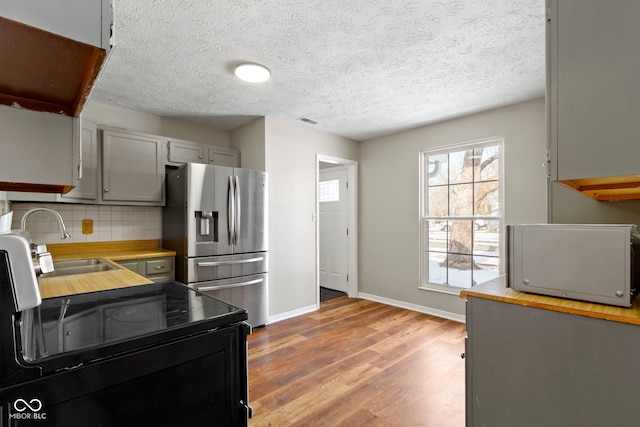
x,y
438,169
440,197
462,218
329,191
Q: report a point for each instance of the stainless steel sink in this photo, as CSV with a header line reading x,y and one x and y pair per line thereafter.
x,y
80,266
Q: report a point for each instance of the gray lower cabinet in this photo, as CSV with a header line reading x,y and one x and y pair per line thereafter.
x,y
158,270
533,367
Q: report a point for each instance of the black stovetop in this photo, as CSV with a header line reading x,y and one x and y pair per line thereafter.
x,y
79,329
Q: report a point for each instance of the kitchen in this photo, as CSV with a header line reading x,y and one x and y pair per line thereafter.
x,y
272,144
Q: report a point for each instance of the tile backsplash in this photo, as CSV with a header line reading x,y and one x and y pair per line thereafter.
x,y
110,223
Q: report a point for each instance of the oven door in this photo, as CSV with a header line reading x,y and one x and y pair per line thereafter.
x,y
248,292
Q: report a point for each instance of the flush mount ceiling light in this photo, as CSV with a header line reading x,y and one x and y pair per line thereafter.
x,y
254,73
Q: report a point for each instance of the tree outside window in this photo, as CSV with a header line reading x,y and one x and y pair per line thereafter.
x,y
461,215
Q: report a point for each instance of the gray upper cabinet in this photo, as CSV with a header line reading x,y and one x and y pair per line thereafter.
x,y
120,168
223,157
185,152
592,88
86,168
87,189
41,150
132,168
181,152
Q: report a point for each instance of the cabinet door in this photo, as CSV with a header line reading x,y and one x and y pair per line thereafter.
x,y
224,157
132,168
185,152
133,265
155,269
44,148
533,367
160,269
87,189
593,88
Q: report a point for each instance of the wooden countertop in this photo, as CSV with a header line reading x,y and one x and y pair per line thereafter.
x,y
90,282
115,251
496,290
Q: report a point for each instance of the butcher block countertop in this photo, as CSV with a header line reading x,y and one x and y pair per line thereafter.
x,y
90,282
495,290
115,251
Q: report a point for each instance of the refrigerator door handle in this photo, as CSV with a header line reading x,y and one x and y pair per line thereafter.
x,y
231,214
234,285
236,261
238,206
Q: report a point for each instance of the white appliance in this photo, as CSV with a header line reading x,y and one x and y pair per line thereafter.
x,y
589,262
215,219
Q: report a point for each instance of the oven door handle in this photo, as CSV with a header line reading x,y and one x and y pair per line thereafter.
x,y
234,285
238,261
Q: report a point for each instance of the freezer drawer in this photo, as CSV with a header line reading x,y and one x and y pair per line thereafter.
x,y
219,267
248,292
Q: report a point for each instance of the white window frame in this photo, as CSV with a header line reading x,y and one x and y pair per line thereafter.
x,y
423,219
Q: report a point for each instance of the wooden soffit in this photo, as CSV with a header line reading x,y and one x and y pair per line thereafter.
x,y
611,188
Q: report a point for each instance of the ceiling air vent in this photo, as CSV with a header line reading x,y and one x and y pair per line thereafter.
x,y
308,120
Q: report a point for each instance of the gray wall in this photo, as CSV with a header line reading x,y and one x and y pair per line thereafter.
x,y
249,139
389,263
290,151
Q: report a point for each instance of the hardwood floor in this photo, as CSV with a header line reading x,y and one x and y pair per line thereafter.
x,y
357,363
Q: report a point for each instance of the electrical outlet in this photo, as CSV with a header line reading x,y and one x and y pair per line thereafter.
x,y
87,226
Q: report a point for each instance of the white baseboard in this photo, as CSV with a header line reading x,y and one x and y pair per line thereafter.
x,y
293,313
414,307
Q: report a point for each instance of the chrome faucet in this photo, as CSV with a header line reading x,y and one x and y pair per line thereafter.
x,y
64,234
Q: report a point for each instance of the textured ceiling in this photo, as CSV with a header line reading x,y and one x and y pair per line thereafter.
x,y
361,68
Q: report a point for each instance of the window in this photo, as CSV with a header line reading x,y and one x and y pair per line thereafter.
x,y
329,191
461,215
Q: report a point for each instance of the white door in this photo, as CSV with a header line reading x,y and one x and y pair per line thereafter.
x,y
332,197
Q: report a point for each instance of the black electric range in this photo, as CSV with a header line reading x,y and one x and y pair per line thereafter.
x,y
158,354
78,329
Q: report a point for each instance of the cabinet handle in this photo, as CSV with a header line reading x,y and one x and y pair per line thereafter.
x,y
106,190
237,261
463,355
233,285
159,267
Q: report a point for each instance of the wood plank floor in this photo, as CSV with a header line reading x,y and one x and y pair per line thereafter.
x,y
357,363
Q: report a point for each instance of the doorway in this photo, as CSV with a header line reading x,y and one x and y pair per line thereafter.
x,y
336,227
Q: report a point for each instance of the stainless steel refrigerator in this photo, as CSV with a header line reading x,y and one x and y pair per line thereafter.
x,y
215,219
